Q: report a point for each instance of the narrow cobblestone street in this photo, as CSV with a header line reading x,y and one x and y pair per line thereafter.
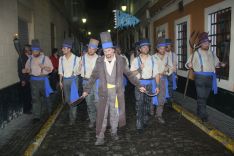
x,y
178,137
56,54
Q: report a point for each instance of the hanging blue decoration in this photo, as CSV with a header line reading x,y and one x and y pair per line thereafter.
x,y
124,20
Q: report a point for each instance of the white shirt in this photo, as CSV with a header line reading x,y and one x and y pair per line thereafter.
x,y
89,65
161,62
172,59
209,60
110,65
33,63
68,66
147,71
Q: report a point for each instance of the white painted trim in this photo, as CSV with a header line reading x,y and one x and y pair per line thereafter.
x,y
178,21
171,8
225,84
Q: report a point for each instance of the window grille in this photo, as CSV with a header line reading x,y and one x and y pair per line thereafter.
x,y
182,44
220,32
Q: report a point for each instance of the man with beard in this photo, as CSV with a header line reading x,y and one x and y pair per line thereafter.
x,y
109,69
161,58
204,63
145,68
68,79
87,65
39,66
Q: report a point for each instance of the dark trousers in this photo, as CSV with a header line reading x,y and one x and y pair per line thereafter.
x,y
26,97
203,88
54,80
170,87
67,92
143,103
40,103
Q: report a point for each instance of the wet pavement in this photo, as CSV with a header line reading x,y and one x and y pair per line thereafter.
x,y
178,137
20,132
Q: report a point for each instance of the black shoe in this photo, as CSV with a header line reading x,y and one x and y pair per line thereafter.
x,y
145,125
204,119
114,136
140,131
36,120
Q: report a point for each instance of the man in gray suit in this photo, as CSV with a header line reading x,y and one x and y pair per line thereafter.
x,y
109,69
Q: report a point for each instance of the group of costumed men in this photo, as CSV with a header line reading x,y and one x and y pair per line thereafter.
x,y
104,81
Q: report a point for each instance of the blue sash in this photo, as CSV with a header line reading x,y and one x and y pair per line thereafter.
x,y
166,86
48,89
74,90
153,83
214,82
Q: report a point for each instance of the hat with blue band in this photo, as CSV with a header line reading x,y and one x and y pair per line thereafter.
x,y
93,43
144,42
67,43
161,43
35,45
168,41
106,40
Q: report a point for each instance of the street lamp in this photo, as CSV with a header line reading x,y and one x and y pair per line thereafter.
x,y
109,30
84,20
89,33
124,7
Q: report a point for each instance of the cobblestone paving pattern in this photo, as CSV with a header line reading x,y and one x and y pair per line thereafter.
x,y
178,137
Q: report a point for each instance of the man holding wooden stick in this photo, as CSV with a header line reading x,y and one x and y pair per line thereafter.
x,y
203,61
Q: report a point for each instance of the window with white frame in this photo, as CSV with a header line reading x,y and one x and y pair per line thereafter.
x,y
181,41
220,32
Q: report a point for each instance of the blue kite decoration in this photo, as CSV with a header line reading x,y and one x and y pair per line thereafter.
x,y
123,20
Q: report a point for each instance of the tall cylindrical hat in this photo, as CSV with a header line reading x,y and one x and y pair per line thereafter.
x,y
203,37
144,42
106,40
168,41
161,43
93,43
36,45
67,43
